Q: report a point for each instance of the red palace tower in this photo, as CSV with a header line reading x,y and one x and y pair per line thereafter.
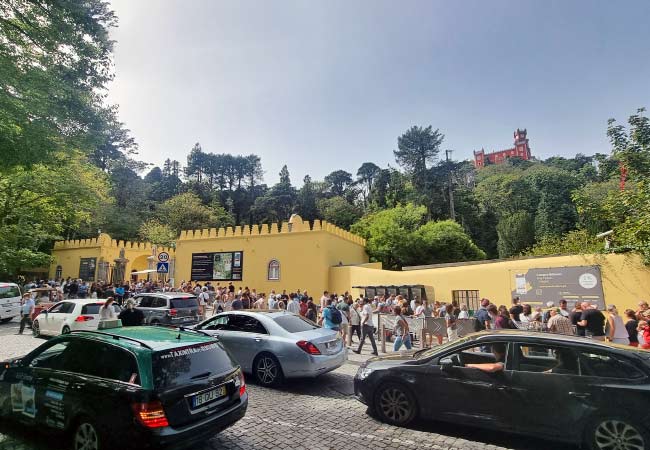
x,y
520,150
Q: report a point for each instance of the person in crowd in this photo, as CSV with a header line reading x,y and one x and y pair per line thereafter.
x,y
547,313
502,320
328,316
631,326
643,312
73,289
293,305
246,301
303,306
575,318
464,313
83,290
260,303
131,316
203,298
237,304
344,309
355,319
107,311
26,312
526,312
516,310
493,311
593,321
499,351
401,330
563,308
644,334
281,305
312,310
367,328
616,331
537,316
452,326
482,316
273,302
558,323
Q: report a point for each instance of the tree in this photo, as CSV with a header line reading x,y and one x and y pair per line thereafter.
x,y
307,200
441,242
157,233
417,147
338,182
187,212
55,61
366,175
516,233
338,211
632,148
574,242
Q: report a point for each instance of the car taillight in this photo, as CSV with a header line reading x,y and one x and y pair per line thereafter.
x,y
84,318
242,384
173,312
308,347
151,415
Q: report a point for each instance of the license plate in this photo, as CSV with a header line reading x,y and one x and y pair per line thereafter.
x,y
208,396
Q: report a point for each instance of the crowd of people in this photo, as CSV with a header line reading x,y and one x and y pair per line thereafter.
x,y
346,314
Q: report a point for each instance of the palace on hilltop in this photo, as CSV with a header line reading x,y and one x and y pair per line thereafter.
x,y
520,150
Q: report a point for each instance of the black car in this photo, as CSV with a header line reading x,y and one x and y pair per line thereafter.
x,y
127,387
562,388
168,308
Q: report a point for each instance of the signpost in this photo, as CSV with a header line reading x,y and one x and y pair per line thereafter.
x,y
163,257
162,267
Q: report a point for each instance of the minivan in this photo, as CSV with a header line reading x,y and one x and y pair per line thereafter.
x,y
9,301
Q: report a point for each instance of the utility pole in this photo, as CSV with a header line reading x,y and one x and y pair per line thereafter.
x,y
452,211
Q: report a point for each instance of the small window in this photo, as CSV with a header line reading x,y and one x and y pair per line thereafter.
x,y
607,366
83,357
9,292
59,272
50,357
190,302
58,308
145,302
547,359
245,324
158,302
486,353
274,270
294,324
218,323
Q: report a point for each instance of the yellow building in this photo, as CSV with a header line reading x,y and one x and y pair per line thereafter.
x,y
95,259
294,255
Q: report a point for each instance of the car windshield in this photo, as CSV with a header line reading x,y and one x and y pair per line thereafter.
x,y
294,324
177,366
9,292
93,308
185,302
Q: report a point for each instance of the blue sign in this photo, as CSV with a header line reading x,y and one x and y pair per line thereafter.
x,y
163,267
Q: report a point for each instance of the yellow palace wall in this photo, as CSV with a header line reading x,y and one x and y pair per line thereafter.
x,y
625,279
305,253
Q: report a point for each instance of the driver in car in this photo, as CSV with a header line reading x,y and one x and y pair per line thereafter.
x,y
499,351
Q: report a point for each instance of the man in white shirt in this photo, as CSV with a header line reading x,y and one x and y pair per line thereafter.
x,y
293,306
323,300
367,328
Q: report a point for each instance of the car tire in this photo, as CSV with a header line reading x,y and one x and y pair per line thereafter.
x,y
6,319
395,404
267,370
604,433
36,329
65,330
86,435
154,322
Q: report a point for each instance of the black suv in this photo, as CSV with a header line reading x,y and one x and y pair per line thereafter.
x,y
136,387
163,308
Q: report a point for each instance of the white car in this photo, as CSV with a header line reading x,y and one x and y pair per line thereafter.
x,y
9,301
69,315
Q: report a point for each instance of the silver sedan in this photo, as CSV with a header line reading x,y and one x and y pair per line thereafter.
x,y
273,345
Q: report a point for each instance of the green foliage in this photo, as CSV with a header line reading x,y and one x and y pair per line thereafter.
x,y
338,211
516,233
574,242
441,242
187,212
157,233
632,148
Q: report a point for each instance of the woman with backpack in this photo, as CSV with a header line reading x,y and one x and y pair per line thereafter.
x,y
401,330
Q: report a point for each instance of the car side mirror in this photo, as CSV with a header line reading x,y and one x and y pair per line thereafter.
x,y
446,364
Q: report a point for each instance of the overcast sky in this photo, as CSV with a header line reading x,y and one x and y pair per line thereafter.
x,y
326,85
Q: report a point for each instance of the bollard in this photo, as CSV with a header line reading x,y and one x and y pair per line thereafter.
x,y
348,339
382,331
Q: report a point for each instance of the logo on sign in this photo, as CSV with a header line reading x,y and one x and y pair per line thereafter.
x,y
163,256
162,267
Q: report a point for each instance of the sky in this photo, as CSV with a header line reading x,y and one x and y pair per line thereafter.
x,y
328,85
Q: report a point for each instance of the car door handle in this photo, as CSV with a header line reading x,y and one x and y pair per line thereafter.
x,y
581,395
257,339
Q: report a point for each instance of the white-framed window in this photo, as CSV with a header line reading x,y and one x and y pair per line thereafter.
x,y
274,270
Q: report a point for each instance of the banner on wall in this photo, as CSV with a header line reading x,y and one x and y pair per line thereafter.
x,y
87,268
575,284
217,266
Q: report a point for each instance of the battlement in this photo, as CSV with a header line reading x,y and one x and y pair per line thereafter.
x,y
294,225
104,240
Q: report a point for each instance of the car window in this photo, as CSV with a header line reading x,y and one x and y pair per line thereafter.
x,y
9,292
547,359
67,308
479,354
158,302
93,308
100,360
294,324
190,302
58,308
607,366
217,323
145,302
245,324
50,357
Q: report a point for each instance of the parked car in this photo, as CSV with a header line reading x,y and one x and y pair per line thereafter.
x,y
69,315
136,387
9,301
273,345
168,308
586,391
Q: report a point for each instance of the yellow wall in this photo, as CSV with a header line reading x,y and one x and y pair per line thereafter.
x,y
625,279
68,254
305,253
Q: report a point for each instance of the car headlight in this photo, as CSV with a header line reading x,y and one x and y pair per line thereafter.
x,y
364,373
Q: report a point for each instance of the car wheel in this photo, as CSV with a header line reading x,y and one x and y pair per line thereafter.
x,y
154,322
36,329
86,436
65,330
395,404
6,319
617,434
267,370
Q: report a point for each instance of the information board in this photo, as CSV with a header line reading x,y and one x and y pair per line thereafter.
x,y
217,266
87,268
574,283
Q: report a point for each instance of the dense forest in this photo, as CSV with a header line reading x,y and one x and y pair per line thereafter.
x,y
70,168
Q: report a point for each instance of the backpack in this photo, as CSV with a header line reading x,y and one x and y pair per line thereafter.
x,y
336,316
479,324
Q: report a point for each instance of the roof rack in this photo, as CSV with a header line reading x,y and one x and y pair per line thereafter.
x,y
114,336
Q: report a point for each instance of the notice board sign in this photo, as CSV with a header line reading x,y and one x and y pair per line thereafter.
x,y
87,268
575,284
217,266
